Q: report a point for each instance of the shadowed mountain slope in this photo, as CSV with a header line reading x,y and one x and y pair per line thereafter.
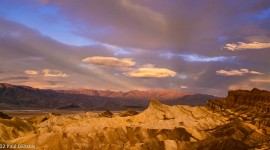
x,y
23,97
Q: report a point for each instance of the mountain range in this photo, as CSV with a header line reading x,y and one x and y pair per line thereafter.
x,y
24,97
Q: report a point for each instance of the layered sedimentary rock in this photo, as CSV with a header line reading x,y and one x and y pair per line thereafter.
x,y
225,124
158,127
252,107
254,99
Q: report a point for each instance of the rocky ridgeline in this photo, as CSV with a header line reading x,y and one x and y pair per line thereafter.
x,y
248,106
254,99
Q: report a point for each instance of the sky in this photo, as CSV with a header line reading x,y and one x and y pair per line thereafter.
x,y
207,46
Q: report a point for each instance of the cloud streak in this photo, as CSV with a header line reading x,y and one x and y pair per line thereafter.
x,y
200,58
239,72
151,73
245,46
183,87
54,73
260,80
110,61
31,72
196,57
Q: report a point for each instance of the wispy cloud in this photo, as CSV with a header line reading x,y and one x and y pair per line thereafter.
x,y
110,61
200,58
245,46
117,50
151,73
183,87
54,73
14,78
260,80
31,72
197,58
239,72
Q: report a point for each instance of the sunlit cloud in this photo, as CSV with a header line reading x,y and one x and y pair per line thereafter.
x,y
151,73
110,61
239,72
183,87
245,46
256,72
54,73
260,80
31,72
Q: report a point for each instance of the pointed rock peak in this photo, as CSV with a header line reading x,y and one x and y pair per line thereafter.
x,y
154,103
160,110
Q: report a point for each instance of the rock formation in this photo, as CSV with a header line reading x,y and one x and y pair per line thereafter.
x,y
4,116
128,112
254,99
224,124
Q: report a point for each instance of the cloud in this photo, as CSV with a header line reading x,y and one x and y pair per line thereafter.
x,y
15,78
151,73
200,58
183,87
142,30
110,61
54,73
31,72
240,72
245,46
240,86
196,57
260,80
256,72
148,66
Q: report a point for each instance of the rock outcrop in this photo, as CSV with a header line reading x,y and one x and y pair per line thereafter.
x,y
254,99
128,112
228,125
251,107
4,116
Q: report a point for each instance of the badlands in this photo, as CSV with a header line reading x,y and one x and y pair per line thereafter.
x,y
232,123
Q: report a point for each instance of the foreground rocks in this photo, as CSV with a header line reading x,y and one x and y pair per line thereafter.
x,y
245,106
220,125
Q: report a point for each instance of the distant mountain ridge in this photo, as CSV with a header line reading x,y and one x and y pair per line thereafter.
x,y
19,97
